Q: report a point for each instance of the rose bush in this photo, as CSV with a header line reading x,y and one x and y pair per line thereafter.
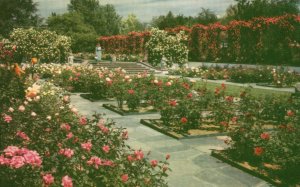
x,y
65,148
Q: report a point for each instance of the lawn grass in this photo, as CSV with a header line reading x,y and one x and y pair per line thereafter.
x,y
236,90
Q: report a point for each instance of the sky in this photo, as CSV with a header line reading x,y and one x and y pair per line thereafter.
x,y
144,9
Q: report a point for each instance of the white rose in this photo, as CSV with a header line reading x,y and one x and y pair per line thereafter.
x,y
21,108
37,98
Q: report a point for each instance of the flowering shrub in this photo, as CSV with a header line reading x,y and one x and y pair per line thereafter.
x,y
45,45
251,141
11,76
173,48
66,148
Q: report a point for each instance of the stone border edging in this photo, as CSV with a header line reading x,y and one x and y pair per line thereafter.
x,y
124,113
175,135
218,155
86,96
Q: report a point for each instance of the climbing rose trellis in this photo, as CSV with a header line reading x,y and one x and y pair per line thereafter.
x,y
260,40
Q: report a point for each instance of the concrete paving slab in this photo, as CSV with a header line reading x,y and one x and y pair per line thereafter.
x,y
190,160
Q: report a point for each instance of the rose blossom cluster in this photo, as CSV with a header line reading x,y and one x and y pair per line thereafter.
x,y
96,162
16,157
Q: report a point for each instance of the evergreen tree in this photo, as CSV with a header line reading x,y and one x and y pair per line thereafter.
x,y
17,13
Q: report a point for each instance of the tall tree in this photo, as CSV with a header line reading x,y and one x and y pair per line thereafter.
x,y
247,9
131,23
111,21
17,13
206,16
103,18
72,24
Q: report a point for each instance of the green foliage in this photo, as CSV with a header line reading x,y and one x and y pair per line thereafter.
x,y
170,20
17,13
206,17
103,18
130,24
84,22
248,9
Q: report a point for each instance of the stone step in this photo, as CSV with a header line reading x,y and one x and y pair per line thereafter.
x,y
130,67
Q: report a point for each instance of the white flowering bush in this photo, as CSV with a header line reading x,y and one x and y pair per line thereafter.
x,y
173,48
156,46
176,49
45,45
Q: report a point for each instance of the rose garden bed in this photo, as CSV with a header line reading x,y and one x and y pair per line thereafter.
x,y
143,109
204,131
266,172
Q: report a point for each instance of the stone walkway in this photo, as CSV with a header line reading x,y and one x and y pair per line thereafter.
x,y
191,163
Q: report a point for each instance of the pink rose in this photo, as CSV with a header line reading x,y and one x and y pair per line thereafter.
x,y
11,151
33,158
108,163
106,148
67,181
154,163
70,135
83,120
3,160
131,92
48,179
65,126
130,158
104,129
66,152
96,161
17,162
86,146
7,118
124,178
23,135
139,155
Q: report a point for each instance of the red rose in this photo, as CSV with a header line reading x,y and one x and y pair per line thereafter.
x,y
173,102
265,136
131,92
183,120
258,151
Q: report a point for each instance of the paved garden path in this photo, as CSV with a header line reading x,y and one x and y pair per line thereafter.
x,y
191,163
